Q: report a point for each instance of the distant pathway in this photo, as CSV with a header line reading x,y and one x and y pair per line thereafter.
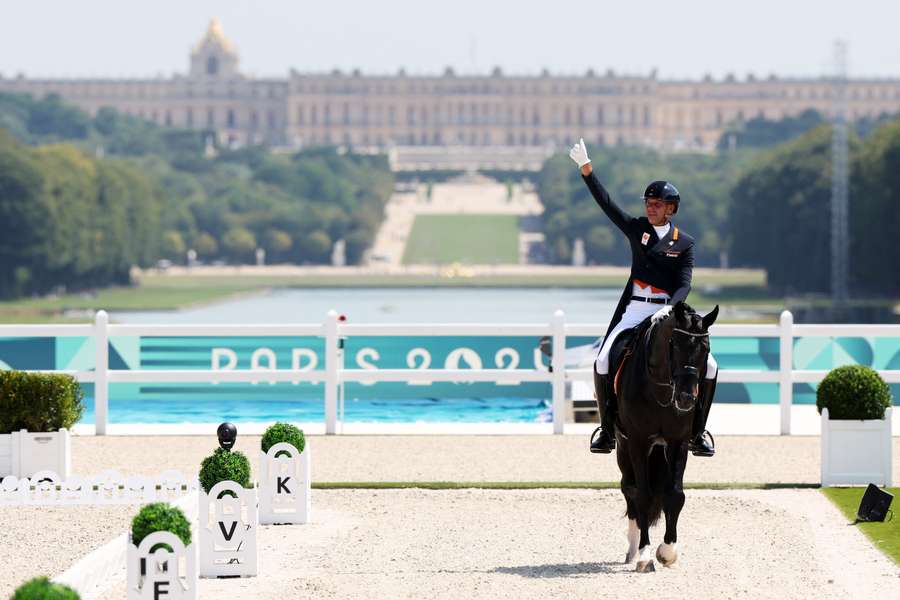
x,y
467,194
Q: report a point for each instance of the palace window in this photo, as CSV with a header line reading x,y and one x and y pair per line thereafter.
x,y
212,65
189,117
210,117
232,122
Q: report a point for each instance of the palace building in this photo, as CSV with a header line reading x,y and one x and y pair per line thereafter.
x,y
450,109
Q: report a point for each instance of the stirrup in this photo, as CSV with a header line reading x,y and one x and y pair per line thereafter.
x,y
596,447
701,448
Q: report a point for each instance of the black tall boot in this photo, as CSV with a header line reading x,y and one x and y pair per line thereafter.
x,y
702,442
605,441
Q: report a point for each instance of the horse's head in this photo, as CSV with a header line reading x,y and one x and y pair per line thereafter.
x,y
688,335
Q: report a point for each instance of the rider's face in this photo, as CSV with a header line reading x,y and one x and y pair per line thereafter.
x,y
658,212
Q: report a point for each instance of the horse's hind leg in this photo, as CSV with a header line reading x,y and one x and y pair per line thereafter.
x,y
673,501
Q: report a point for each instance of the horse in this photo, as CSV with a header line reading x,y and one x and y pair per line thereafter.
x,y
657,383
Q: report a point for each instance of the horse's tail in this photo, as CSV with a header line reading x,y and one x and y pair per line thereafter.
x,y
657,470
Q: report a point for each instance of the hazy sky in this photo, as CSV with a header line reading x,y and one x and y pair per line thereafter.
x,y
681,39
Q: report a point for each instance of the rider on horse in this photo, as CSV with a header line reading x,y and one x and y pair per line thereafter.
x,y
661,267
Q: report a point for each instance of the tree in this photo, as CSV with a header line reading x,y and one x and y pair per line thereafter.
x,y
780,218
239,244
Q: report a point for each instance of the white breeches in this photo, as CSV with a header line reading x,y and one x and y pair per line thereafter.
x,y
635,313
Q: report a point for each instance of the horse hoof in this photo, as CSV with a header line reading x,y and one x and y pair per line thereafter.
x,y
645,566
666,555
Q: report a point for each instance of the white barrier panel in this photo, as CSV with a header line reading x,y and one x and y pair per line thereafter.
x,y
161,574
284,485
228,527
108,487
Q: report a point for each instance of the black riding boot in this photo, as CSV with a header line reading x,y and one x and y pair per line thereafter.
x,y
702,442
605,442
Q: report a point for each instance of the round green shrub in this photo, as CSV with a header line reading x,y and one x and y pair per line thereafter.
x,y
283,432
41,588
224,465
39,401
853,392
160,516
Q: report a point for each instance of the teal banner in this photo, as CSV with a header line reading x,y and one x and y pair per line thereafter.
x,y
407,402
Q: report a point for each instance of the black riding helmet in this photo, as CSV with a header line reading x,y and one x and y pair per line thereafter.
x,y
665,191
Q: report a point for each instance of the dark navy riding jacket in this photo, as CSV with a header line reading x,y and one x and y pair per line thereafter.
x,y
666,263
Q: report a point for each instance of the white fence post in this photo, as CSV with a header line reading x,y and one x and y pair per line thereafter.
x,y
331,372
786,369
101,366
558,363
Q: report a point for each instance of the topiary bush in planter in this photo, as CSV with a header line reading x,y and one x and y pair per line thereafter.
x,y
853,392
160,516
283,432
41,588
224,465
39,402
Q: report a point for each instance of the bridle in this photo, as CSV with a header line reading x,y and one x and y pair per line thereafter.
x,y
680,371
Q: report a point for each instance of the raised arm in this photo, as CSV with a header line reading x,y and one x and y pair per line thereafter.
x,y
622,219
684,275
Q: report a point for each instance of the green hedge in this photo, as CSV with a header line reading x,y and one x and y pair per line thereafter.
x,y
160,516
224,465
853,392
283,432
41,588
39,401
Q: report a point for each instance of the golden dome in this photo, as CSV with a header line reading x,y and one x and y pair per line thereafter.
x,y
215,37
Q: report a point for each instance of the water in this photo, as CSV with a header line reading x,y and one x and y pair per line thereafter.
x,y
403,305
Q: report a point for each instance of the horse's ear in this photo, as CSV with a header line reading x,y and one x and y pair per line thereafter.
x,y
709,319
680,311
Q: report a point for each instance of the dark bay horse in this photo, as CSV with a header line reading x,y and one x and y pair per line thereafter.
x,y
657,387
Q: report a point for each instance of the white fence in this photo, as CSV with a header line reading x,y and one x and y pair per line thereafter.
x,y
334,374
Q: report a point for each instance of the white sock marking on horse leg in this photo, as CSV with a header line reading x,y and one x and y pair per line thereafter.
x,y
667,554
645,560
634,537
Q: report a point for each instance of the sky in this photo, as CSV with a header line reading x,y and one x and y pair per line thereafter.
x,y
679,39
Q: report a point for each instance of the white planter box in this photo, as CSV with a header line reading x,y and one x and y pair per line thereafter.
x,y
24,453
161,574
284,486
856,452
228,531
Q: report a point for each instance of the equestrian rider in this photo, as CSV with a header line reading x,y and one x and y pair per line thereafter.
x,y
662,262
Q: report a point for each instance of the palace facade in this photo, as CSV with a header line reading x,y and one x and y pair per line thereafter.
x,y
451,109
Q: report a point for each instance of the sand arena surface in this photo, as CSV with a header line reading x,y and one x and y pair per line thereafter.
x,y
349,458
558,544
472,543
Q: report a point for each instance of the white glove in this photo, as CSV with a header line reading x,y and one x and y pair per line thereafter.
x,y
578,153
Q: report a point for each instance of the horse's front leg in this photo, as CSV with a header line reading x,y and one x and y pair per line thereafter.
x,y
642,502
673,501
629,491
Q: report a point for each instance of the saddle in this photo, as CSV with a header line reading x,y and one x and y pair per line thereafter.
x,y
622,348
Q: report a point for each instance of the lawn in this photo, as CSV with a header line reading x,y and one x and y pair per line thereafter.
x,y
467,239
885,536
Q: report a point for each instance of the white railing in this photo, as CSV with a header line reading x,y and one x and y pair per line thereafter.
x,y
334,374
